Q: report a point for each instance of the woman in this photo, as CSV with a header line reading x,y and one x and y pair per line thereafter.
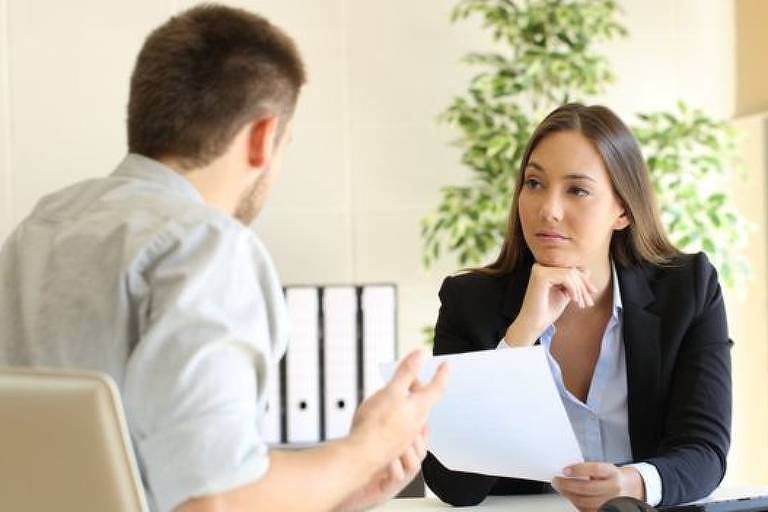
x,y
635,331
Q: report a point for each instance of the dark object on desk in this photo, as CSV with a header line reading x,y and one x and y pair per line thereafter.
x,y
749,504
753,504
625,504
415,489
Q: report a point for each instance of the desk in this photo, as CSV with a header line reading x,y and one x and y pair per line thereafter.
x,y
540,503
537,503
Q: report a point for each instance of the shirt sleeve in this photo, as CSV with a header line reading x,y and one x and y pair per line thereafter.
x,y
651,481
194,386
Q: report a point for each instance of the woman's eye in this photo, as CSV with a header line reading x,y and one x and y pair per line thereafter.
x,y
532,183
580,192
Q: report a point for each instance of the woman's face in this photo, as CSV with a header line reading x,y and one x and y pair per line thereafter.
x,y
567,207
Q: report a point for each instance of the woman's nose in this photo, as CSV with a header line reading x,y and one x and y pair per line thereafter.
x,y
551,209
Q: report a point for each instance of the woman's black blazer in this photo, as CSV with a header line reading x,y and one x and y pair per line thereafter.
x,y
678,372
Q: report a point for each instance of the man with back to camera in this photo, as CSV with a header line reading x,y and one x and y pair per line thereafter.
x,y
148,275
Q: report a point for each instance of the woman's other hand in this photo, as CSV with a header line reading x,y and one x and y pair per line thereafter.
x,y
591,484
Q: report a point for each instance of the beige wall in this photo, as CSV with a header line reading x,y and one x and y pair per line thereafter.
x,y
367,159
6,197
747,310
751,51
677,49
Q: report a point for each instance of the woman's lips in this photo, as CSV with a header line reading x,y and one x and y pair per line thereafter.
x,y
551,236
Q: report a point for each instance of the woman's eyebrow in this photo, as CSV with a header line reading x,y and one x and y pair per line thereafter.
x,y
536,166
573,175
579,176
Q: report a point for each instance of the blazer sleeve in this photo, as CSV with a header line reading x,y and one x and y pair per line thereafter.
x,y
456,487
696,429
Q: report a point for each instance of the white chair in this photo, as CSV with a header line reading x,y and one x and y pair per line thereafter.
x,y
64,444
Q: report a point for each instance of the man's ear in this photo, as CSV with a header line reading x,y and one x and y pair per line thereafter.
x,y
261,141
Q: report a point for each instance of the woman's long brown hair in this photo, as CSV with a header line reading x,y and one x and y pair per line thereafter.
x,y
644,240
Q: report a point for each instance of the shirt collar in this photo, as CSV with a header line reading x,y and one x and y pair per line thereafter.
x,y
618,305
147,169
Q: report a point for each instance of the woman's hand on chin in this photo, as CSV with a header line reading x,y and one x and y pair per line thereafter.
x,y
550,290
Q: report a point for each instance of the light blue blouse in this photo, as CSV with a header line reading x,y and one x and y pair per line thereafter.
x,y
601,424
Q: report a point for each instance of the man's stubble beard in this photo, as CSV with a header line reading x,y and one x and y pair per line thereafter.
x,y
252,199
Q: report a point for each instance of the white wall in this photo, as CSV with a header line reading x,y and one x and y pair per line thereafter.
x,y
6,198
679,49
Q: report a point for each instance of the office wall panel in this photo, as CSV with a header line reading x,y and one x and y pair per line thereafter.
x,y
751,47
6,184
747,308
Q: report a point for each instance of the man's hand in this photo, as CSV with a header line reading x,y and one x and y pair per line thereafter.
x,y
391,426
389,481
390,421
593,483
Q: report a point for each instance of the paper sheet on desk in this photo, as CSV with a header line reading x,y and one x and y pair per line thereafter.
x,y
500,415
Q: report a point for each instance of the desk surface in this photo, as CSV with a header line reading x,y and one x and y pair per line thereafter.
x,y
540,503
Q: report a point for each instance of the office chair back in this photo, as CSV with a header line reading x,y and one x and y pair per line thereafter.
x,y
64,444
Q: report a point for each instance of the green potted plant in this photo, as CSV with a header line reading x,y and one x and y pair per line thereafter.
x,y
545,54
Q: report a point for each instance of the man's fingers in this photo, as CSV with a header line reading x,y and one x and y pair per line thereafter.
x,y
416,386
420,446
410,461
432,391
418,451
396,471
407,372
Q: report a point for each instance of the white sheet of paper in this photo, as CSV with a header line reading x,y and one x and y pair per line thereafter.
x,y
500,415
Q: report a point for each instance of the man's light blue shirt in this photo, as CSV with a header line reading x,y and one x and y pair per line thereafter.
x,y
601,424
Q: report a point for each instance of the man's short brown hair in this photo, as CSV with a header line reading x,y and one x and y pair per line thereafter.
x,y
202,75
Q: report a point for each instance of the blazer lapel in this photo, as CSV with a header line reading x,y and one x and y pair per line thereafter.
x,y
643,358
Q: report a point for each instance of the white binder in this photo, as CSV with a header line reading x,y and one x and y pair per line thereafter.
x,y
302,366
379,304
270,423
340,359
